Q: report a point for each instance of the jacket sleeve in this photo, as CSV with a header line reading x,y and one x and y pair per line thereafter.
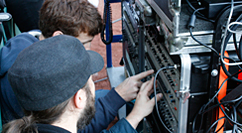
x,y
122,126
10,107
106,109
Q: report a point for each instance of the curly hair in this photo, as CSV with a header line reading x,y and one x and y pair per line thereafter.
x,y
71,17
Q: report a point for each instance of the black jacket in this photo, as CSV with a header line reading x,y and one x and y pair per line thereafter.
x,y
122,126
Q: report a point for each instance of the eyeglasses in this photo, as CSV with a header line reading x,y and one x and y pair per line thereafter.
x,y
88,41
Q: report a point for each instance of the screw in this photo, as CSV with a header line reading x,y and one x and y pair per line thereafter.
x,y
214,72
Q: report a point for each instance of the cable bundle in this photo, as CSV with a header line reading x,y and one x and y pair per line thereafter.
x,y
221,39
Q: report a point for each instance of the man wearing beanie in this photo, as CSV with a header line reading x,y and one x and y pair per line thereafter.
x,y
52,82
82,20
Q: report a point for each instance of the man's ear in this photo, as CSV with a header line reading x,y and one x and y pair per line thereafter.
x,y
41,37
58,32
80,99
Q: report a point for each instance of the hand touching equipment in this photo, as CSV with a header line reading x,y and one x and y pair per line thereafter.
x,y
129,88
143,105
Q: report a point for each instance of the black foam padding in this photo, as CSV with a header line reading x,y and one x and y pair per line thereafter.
x,y
200,24
235,93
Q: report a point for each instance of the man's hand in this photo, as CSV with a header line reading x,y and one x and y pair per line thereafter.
x,y
143,105
129,88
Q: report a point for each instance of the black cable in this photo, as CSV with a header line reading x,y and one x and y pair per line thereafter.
x,y
226,102
233,27
193,18
204,106
240,129
107,15
216,92
235,45
240,48
191,25
218,32
212,100
234,36
202,111
200,14
154,87
228,73
235,62
214,124
222,103
194,122
191,6
234,122
237,66
235,129
238,103
195,119
212,49
224,114
219,129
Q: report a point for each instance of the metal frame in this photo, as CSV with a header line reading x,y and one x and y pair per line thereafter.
x,y
116,75
116,38
184,92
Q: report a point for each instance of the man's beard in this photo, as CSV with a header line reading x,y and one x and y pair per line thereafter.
x,y
87,114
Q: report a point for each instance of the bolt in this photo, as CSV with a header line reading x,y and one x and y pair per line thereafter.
x,y
214,72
